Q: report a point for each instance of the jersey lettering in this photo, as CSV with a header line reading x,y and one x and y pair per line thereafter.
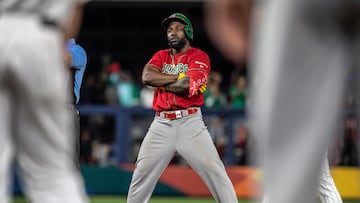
x,y
171,69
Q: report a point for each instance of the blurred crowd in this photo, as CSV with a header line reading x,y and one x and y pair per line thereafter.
x,y
116,86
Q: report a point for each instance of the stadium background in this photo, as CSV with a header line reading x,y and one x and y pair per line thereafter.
x,y
129,32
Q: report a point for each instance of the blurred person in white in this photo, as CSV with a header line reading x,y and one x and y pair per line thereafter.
x,y
299,62
114,72
127,90
147,96
100,153
121,88
36,129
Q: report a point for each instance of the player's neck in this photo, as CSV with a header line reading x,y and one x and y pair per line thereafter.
x,y
180,51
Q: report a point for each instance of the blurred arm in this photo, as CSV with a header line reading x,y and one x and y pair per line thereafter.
x,y
73,26
227,23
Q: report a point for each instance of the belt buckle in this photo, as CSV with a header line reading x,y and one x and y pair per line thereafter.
x,y
178,114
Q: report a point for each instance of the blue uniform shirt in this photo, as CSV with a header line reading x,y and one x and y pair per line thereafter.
x,y
78,63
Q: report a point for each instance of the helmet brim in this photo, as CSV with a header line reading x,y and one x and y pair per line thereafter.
x,y
165,23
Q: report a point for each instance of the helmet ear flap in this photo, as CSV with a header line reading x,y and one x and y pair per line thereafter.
x,y
188,32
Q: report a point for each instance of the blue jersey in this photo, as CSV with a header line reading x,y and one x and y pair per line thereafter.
x,y
78,64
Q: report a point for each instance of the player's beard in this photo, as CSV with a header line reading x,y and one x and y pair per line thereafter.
x,y
178,45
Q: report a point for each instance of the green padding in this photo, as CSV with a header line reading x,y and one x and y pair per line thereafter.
x,y
113,180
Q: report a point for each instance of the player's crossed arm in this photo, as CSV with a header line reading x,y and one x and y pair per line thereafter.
x,y
184,86
152,76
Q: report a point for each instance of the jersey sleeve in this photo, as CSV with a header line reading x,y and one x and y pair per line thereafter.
x,y
198,71
157,60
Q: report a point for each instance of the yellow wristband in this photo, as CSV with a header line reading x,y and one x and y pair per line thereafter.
x,y
181,75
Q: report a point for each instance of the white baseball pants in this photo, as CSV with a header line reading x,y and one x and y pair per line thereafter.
x,y
36,132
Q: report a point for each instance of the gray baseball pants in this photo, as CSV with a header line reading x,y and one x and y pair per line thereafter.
x,y
190,138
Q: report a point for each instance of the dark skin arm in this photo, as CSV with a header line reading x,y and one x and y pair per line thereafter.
x,y
72,28
180,87
153,77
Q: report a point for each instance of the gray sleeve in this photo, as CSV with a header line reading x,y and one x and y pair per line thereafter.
x,y
58,10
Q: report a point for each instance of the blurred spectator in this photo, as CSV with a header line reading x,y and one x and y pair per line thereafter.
x,y
96,130
217,129
85,147
112,80
128,90
238,93
88,90
214,98
241,145
121,88
101,152
92,90
147,96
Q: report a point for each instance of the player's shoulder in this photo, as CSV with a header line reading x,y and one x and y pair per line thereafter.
x,y
198,53
162,52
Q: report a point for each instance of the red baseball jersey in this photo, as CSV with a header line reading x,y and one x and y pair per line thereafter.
x,y
195,63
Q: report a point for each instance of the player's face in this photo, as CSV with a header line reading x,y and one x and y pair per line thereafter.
x,y
176,35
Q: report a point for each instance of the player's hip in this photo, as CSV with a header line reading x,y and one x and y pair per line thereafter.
x,y
178,114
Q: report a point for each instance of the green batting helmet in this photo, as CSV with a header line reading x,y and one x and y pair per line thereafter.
x,y
188,29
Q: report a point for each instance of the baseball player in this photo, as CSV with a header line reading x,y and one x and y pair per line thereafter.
x,y
179,75
299,60
76,59
35,129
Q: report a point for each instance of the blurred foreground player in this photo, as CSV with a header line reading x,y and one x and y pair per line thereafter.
x,y
299,62
36,130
